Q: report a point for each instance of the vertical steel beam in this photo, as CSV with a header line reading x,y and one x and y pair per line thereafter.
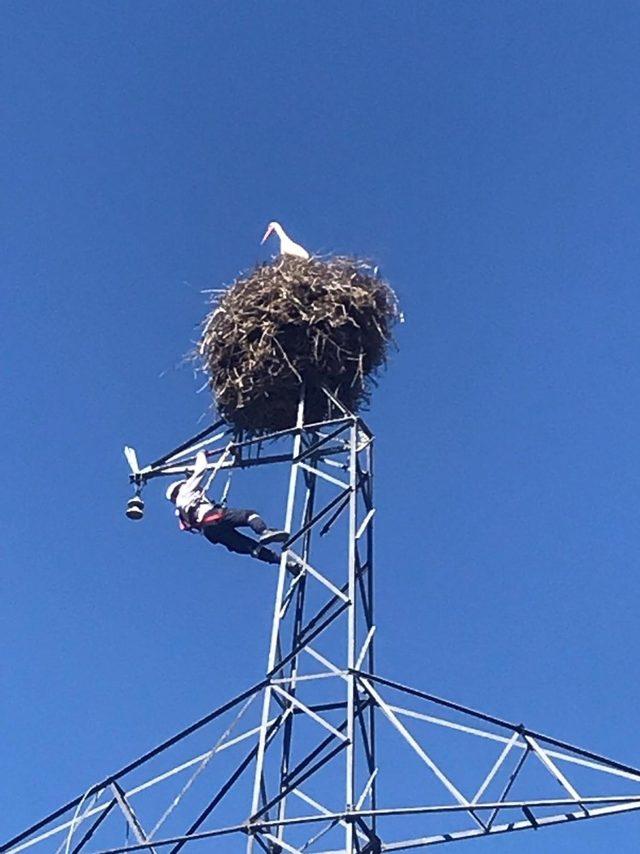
x,y
370,506
277,616
307,513
350,796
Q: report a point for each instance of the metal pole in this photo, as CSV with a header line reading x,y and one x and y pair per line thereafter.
x,y
275,626
310,481
351,637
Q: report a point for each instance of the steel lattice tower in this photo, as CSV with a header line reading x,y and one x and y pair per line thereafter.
x,y
324,755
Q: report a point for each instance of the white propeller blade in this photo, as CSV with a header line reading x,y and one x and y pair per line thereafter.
x,y
132,459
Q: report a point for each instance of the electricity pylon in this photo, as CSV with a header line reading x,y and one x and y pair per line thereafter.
x,y
334,758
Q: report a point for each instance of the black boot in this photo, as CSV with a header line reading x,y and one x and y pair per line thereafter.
x,y
271,535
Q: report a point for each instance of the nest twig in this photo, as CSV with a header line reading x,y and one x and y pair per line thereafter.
x,y
326,323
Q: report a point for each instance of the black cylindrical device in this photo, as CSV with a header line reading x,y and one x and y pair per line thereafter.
x,y
135,508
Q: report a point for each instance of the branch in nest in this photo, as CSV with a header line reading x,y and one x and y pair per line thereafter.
x,y
327,323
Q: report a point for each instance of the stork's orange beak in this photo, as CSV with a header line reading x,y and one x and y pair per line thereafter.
x,y
266,234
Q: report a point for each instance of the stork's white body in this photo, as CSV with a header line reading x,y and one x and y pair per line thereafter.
x,y
287,245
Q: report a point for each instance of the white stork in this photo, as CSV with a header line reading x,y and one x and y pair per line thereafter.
x,y
287,246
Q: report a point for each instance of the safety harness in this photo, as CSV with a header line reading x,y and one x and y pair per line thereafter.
x,y
188,517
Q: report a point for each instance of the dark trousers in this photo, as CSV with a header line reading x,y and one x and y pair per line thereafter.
x,y
223,531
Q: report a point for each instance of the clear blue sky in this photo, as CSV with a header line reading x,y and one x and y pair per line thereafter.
x,y
486,155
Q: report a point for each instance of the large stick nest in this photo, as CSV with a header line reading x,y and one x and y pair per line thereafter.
x,y
324,323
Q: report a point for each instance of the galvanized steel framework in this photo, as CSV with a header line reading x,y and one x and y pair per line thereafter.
x,y
313,777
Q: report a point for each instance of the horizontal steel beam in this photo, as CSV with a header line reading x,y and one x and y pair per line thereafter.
x,y
616,805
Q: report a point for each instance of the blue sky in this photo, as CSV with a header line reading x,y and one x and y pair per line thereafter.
x,y
486,156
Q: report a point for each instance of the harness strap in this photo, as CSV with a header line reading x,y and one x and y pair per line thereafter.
x,y
216,468
212,517
188,520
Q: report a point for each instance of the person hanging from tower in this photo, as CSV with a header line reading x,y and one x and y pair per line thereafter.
x,y
198,514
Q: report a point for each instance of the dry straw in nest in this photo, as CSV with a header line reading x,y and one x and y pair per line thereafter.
x,y
324,323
